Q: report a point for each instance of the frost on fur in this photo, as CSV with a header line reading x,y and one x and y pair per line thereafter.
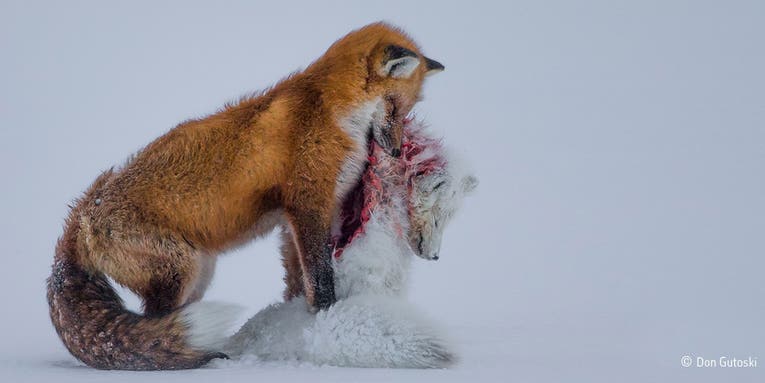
x,y
406,205
209,323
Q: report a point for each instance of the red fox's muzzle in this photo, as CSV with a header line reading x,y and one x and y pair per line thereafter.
x,y
389,130
389,137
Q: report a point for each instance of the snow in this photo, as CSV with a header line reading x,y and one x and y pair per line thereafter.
x,y
617,227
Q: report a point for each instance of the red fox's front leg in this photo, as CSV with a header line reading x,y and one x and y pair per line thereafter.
x,y
311,234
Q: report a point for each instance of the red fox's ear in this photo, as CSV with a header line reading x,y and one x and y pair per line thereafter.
x,y
433,66
399,62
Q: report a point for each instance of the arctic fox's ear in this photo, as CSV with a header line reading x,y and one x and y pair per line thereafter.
x,y
469,183
399,62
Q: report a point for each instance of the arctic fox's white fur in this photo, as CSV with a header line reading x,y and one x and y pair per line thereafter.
x,y
372,324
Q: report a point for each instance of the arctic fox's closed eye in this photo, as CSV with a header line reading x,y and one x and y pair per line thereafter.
x,y
372,324
437,198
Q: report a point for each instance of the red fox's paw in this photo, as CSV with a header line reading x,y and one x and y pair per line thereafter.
x,y
323,283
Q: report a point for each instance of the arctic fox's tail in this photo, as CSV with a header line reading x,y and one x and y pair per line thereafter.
x,y
377,331
98,330
361,331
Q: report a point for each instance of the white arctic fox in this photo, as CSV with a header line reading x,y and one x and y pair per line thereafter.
x,y
401,209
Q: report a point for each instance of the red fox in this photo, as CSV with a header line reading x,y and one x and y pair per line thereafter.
x,y
288,156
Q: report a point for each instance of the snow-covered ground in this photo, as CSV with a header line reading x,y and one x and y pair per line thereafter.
x,y
618,225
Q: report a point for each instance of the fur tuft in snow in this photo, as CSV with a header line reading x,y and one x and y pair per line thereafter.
x,y
209,323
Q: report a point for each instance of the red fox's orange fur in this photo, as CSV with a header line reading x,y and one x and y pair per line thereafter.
x,y
286,156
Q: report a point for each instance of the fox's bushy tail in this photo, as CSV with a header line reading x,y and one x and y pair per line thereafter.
x,y
97,329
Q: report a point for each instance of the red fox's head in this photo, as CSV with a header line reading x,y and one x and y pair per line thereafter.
x,y
398,76
386,65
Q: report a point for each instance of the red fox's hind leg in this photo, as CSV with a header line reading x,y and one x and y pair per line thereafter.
x,y
168,288
173,279
162,295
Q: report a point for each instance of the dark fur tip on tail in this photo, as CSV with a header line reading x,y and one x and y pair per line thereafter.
x,y
95,327
217,355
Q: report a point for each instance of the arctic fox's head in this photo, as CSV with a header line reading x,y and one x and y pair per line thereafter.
x,y
435,198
